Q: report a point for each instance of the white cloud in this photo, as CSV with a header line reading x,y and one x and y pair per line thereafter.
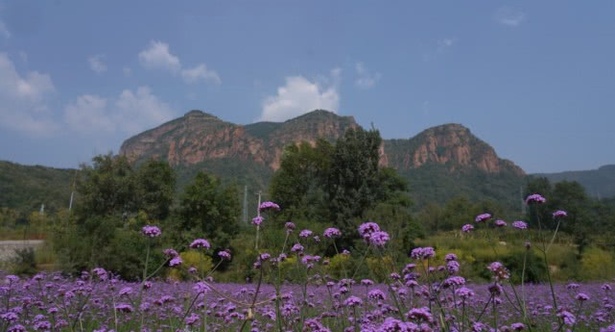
x,y
157,56
22,99
97,64
4,32
88,114
130,113
141,110
299,96
365,79
198,73
509,17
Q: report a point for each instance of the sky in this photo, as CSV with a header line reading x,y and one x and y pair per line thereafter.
x,y
534,79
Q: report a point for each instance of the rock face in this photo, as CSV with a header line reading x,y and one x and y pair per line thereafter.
x,y
452,145
198,137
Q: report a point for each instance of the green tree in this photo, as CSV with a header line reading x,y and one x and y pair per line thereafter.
x,y
299,184
209,209
354,183
155,182
107,188
114,201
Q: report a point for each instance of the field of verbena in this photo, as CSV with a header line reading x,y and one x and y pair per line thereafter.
x,y
98,302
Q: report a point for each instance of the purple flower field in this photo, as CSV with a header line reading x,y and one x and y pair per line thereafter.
x,y
427,294
99,302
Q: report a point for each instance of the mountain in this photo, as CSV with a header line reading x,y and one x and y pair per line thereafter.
x,y
440,162
448,160
599,183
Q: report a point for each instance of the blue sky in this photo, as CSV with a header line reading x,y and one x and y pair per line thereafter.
x,y
535,79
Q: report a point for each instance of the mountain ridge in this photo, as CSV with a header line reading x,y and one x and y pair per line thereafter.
x,y
439,162
252,153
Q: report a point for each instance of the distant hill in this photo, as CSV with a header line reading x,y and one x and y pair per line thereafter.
x,y
26,188
598,183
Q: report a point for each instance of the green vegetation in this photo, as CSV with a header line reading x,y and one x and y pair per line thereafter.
x,y
328,184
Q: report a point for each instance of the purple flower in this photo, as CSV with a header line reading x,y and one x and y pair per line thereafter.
x,y
151,231
379,239
290,226
42,325
572,286
420,315
368,228
422,253
450,257
454,281
126,291
124,307
467,228
224,254
100,273
517,326
452,267
500,223
305,233
519,224
257,221
560,214
201,288
17,328
498,270
482,217
192,319
9,316
535,199
309,259
176,261
367,282
582,297
11,278
265,206
200,243
376,294
464,293
332,232
353,301
297,247
391,324
170,253
567,317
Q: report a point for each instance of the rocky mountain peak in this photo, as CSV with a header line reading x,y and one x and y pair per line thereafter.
x,y
452,145
197,137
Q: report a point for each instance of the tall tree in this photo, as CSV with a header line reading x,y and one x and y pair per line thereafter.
x,y
209,209
155,182
353,179
299,184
